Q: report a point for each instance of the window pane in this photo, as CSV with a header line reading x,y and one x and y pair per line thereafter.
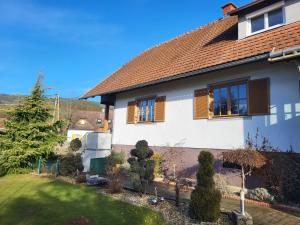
x,y
216,95
257,23
235,108
243,109
142,110
242,91
223,100
234,95
224,109
223,95
151,103
275,17
216,108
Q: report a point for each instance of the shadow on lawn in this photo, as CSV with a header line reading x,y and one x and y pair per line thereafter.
x,y
59,203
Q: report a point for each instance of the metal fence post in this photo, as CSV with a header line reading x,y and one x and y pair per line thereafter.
x,y
57,168
39,164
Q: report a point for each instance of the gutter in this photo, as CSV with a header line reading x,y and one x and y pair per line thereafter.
x,y
289,53
188,74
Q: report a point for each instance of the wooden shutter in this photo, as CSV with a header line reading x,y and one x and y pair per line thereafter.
x,y
201,104
131,112
259,96
159,112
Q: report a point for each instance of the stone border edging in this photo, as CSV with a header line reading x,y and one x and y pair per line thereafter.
x,y
280,207
250,201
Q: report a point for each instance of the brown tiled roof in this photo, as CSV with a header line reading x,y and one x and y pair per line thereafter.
x,y
214,44
90,120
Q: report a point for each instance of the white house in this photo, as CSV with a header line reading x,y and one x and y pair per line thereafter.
x,y
212,87
83,122
88,127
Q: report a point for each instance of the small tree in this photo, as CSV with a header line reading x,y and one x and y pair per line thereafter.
x,y
205,199
248,160
75,145
141,166
30,134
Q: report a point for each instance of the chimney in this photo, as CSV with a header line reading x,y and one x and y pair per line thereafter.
x,y
228,8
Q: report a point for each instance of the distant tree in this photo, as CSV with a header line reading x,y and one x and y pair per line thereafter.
x,y
205,199
75,145
29,132
248,160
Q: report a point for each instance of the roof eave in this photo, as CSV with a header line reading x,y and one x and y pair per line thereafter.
x,y
185,75
251,5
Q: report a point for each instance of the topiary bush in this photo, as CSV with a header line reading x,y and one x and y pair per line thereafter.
x,y
75,145
205,199
71,164
141,166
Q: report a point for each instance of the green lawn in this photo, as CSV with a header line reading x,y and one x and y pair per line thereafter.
x,y
26,199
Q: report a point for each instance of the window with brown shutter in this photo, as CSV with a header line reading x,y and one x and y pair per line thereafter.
x,y
159,115
201,104
259,96
230,99
131,112
145,110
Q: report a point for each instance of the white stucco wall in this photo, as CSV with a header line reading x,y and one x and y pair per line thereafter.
x,y
282,127
94,145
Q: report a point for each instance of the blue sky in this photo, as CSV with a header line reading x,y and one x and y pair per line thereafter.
x,y
76,44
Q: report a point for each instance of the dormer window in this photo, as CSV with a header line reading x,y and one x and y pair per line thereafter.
x,y
275,17
257,23
265,20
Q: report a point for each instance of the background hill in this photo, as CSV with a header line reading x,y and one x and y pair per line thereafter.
x,y
67,106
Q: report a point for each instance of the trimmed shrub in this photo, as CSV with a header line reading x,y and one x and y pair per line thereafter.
x,y
141,166
205,199
71,164
75,144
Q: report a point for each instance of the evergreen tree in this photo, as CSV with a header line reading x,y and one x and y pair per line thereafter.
x,y
205,199
29,133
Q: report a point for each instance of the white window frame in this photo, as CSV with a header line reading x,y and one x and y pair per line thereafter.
x,y
265,11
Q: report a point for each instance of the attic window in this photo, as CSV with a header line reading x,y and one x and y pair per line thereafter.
x,y
265,21
81,121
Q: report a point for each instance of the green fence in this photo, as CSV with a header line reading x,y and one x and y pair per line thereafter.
x,y
98,165
50,166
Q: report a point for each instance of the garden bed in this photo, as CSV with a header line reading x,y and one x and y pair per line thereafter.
x,y
172,214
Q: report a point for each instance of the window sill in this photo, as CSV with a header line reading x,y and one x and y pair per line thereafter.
x,y
264,30
146,122
231,117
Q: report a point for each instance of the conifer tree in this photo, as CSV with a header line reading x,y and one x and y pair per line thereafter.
x,y
30,133
205,199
